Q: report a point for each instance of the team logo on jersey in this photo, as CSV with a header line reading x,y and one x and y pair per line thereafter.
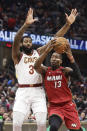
x,y
73,125
30,60
52,78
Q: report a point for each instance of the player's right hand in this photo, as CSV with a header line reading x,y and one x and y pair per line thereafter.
x,y
51,44
29,20
71,18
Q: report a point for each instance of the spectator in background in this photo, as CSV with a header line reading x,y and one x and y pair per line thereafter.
x,y
10,104
11,23
56,8
2,110
82,117
80,104
4,63
3,102
6,117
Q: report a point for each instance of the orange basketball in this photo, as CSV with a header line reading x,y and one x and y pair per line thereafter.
x,y
61,45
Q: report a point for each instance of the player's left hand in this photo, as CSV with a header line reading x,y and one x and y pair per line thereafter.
x,y
71,18
51,44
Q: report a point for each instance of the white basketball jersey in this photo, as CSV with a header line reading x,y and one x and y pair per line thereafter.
x,y
25,69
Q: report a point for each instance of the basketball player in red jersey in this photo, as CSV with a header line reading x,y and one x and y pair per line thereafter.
x,y
61,108
30,94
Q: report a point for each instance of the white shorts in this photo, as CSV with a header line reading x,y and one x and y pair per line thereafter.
x,y
30,98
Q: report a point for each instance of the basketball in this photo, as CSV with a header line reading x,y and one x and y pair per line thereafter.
x,y
61,45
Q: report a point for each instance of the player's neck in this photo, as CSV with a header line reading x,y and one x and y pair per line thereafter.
x,y
55,67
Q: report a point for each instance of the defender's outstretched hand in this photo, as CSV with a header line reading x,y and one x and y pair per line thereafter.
x,y
71,18
29,20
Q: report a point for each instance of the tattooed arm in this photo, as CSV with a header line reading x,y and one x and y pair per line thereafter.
x,y
69,20
75,72
17,40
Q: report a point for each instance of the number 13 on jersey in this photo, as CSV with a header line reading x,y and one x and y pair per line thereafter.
x,y
57,84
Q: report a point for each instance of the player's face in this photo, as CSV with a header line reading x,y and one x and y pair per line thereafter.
x,y
27,42
56,60
27,45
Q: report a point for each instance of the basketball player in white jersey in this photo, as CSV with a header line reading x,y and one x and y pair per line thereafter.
x,y
30,94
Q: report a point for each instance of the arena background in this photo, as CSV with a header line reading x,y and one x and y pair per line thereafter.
x,y
51,15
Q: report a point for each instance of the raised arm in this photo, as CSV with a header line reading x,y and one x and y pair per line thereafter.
x,y
37,66
17,40
69,20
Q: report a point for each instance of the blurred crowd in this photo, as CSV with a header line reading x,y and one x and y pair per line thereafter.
x,y
79,92
9,85
51,15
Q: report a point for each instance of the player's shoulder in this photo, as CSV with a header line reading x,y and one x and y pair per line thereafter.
x,y
65,69
68,69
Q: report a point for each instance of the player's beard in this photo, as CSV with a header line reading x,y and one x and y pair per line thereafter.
x,y
27,50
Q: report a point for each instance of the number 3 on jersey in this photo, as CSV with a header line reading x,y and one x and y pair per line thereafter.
x,y
57,84
31,69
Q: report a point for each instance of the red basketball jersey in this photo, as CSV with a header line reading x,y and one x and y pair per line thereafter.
x,y
56,86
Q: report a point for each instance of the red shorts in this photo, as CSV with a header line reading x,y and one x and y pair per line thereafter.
x,y
68,114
